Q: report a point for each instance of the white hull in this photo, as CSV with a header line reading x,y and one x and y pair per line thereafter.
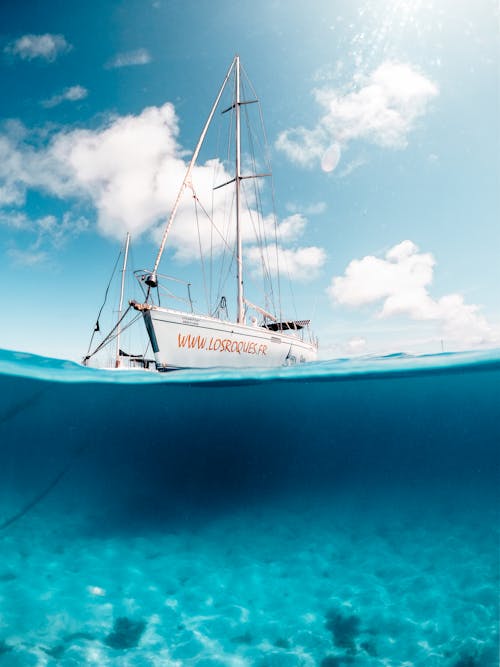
x,y
184,340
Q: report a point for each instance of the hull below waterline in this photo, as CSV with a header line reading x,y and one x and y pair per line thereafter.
x,y
182,340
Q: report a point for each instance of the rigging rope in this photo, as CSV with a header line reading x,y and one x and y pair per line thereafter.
x,y
226,245
273,199
44,492
109,337
201,250
96,327
261,236
230,132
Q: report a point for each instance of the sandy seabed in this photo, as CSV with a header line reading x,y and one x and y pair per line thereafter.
x,y
270,586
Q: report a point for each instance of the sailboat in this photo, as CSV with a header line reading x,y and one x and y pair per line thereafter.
x,y
255,336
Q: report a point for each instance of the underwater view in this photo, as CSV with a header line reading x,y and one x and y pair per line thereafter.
x,y
340,513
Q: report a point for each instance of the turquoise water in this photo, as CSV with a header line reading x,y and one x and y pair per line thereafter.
x,y
339,513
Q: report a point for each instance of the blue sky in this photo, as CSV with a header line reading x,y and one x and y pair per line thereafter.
x,y
383,123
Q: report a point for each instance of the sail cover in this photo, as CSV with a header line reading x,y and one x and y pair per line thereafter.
x,y
286,326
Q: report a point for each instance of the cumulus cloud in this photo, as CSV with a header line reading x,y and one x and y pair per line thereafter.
x,y
42,47
291,227
303,146
129,59
129,170
403,272
380,109
191,231
124,169
308,209
400,283
71,94
299,263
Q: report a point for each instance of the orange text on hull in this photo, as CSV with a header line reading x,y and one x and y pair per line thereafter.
x,y
220,345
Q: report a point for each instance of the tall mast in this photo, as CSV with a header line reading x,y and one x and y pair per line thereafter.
x,y
239,254
152,279
120,307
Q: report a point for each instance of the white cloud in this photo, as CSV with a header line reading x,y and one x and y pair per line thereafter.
x,y
47,229
315,209
10,194
130,171
44,47
27,258
56,231
14,220
45,234
301,264
400,283
352,166
130,58
308,209
381,109
404,272
12,186
356,345
303,146
71,94
291,228
190,231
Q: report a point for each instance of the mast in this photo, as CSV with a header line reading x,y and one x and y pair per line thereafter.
x,y
152,279
120,307
239,253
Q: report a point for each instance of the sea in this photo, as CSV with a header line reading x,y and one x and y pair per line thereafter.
x,y
340,513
